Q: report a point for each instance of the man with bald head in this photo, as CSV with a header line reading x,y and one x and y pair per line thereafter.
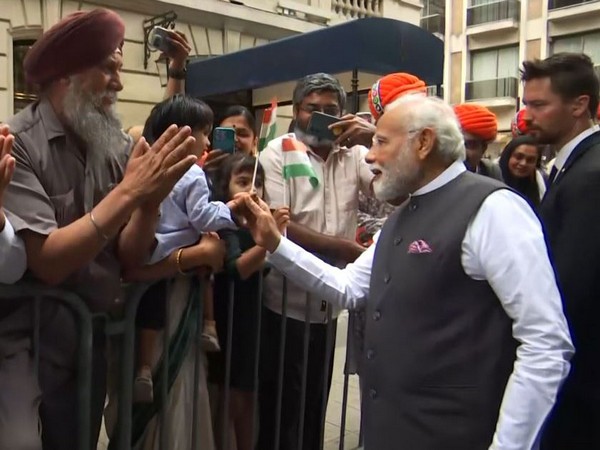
x,y
466,342
85,205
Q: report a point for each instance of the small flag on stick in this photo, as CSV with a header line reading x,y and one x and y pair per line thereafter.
x,y
268,127
296,162
268,130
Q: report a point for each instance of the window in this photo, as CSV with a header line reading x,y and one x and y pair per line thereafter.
x,y
582,43
495,63
24,93
433,7
554,4
433,16
485,11
493,73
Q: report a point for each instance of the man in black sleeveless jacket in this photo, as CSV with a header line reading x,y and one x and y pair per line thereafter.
x,y
466,342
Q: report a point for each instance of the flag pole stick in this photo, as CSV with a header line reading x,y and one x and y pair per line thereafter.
x,y
254,174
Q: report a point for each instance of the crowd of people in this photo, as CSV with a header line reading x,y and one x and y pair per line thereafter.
x,y
471,289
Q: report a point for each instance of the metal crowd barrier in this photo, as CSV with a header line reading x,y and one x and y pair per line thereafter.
x,y
125,327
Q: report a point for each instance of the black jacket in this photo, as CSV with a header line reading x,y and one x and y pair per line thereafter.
x,y
570,213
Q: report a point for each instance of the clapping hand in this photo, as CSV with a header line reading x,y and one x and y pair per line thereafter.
x,y
152,171
7,165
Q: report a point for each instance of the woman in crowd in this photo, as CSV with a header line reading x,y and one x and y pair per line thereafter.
x,y
242,273
243,122
520,165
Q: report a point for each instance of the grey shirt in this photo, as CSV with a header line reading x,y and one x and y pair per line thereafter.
x,y
52,187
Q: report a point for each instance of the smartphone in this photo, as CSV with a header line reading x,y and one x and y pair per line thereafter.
x,y
158,39
224,139
319,126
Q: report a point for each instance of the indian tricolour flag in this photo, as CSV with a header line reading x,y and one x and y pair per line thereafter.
x,y
296,162
268,127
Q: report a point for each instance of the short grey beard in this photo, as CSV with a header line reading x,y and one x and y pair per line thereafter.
x,y
98,127
397,181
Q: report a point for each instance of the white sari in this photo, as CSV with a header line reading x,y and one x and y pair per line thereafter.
x,y
179,412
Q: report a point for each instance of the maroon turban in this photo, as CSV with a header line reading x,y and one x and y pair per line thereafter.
x,y
79,41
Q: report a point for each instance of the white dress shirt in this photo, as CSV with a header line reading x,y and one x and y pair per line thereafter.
x,y
13,259
504,245
331,208
564,153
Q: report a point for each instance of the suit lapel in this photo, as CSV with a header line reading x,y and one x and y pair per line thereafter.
x,y
584,146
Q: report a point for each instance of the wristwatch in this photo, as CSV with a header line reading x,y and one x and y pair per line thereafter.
x,y
177,74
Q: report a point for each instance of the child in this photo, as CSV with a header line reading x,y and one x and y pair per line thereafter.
x,y
242,266
185,214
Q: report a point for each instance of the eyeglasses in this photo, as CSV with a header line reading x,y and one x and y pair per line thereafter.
x,y
330,110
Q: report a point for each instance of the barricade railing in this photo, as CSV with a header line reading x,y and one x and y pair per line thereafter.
x,y
124,327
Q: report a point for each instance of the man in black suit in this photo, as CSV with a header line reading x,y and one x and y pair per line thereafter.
x,y
561,94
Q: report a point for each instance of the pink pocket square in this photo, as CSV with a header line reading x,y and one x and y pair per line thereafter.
x,y
419,246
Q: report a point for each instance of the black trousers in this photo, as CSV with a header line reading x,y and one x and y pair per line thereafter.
x,y
317,382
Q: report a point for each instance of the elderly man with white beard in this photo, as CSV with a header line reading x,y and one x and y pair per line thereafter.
x,y
85,205
466,343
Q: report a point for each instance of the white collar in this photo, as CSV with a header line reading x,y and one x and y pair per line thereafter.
x,y
454,170
564,153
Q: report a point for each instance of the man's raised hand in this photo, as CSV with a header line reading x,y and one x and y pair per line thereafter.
x,y
152,171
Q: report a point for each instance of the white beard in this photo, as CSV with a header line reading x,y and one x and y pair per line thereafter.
x,y
398,179
97,126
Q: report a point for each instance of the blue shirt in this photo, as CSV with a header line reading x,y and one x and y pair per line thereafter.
x,y
186,213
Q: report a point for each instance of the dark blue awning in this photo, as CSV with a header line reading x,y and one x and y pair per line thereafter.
x,y
373,45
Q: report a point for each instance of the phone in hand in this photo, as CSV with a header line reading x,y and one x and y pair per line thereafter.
x,y
365,116
224,139
318,126
158,39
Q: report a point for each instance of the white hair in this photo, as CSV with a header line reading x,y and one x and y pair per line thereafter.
x,y
97,126
434,113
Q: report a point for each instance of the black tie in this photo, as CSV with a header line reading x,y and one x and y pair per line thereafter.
x,y
553,173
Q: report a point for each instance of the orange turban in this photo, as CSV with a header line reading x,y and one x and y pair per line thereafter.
x,y
390,87
518,125
477,120
79,41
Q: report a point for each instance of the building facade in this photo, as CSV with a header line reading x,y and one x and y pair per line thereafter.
x,y
213,27
486,40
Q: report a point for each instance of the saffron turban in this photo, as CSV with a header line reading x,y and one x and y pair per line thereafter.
x,y
390,87
79,41
477,120
518,126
